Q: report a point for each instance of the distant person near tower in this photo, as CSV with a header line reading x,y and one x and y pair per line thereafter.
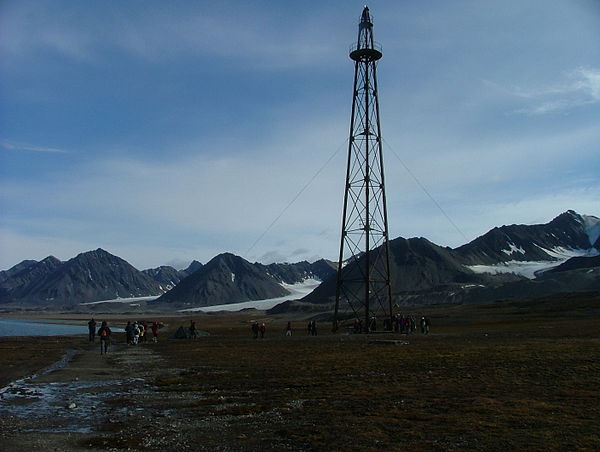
x,y
193,334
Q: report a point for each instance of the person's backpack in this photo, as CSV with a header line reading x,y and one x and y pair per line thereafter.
x,y
103,333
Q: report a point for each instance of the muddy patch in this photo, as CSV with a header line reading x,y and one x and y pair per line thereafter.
x,y
79,394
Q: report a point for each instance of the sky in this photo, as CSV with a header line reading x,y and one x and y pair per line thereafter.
x,y
170,131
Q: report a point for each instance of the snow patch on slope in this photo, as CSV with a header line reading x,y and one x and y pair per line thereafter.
x,y
530,269
513,249
123,300
297,291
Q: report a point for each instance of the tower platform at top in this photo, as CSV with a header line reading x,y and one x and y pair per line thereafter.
x,y
358,52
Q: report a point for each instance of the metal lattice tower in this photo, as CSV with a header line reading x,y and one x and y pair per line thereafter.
x,y
363,279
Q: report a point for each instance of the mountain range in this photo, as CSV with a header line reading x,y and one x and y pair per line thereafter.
x,y
507,262
100,276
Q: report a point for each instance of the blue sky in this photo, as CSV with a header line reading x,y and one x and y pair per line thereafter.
x,y
171,131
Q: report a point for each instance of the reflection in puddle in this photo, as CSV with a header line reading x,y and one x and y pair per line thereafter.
x,y
27,399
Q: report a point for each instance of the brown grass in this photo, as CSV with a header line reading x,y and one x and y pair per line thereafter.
x,y
22,356
501,376
486,379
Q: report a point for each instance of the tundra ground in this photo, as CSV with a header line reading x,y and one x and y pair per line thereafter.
x,y
501,376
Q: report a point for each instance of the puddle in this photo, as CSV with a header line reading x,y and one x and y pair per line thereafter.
x,y
53,405
57,365
50,401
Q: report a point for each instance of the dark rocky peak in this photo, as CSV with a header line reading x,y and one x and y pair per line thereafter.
x,y
20,266
31,272
226,278
227,262
166,276
566,218
6,274
50,261
567,221
161,272
289,273
323,269
97,256
193,267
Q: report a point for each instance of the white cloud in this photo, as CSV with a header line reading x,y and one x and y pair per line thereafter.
x,y
577,88
29,147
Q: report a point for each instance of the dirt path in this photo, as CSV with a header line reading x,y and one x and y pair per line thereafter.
x,y
66,405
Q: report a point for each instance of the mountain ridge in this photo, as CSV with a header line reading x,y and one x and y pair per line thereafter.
x,y
422,272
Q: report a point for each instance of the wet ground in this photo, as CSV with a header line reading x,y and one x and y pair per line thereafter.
x,y
75,396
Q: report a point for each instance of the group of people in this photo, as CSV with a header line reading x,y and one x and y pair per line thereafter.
x,y
138,332
259,329
135,333
404,324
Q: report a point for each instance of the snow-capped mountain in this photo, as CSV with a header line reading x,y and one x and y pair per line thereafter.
x,y
506,262
529,250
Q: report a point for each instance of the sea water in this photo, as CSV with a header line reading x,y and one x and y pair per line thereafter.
x,y
22,327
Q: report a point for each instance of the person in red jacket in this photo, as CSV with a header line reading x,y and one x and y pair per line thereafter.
x,y
155,331
104,333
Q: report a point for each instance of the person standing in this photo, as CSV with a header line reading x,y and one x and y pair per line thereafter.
x,y
145,325
129,333
263,330
136,332
104,333
92,330
424,325
288,329
192,329
142,329
155,332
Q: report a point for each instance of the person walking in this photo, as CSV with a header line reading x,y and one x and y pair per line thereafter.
x,y
104,333
92,330
263,330
255,329
193,329
288,329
